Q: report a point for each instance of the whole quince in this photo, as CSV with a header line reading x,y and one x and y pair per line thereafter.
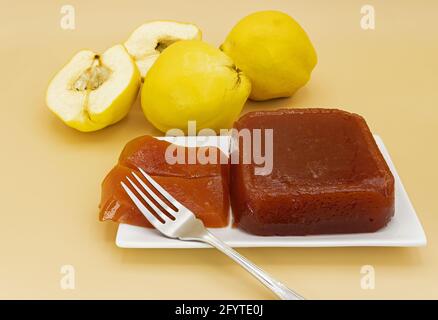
x,y
193,81
274,52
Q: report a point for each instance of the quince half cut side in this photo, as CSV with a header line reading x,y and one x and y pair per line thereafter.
x,y
150,39
94,91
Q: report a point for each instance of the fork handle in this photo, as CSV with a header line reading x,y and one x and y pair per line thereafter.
x,y
275,286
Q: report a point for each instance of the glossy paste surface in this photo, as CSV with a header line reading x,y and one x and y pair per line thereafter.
x,y
328,176
202,188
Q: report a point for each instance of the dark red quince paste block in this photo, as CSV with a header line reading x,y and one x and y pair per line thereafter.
x,y
328,176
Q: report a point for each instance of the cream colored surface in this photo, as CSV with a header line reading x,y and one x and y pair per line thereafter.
x,y
50,174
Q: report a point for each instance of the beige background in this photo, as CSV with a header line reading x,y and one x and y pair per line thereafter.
x,y
51,174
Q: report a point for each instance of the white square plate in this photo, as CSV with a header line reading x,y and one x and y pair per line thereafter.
x,y
404,230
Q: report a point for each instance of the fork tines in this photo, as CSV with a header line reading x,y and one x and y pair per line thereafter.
x,y
163,212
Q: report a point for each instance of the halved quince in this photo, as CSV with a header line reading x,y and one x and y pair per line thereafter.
x,y
93,91
148,41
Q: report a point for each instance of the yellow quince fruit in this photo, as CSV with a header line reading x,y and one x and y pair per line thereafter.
x,y
274,52
193,81
93,91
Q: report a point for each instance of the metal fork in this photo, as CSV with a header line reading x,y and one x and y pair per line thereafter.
x,y
182,224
